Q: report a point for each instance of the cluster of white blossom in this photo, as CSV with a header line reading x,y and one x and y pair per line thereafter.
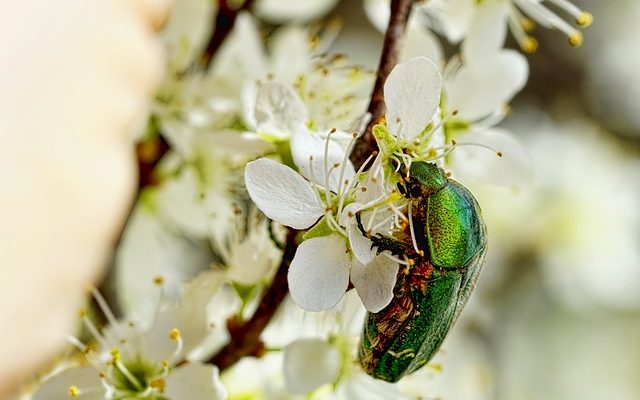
x,y
259,141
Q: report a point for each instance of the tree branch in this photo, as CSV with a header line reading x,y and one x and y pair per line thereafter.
x,y
400,11
245,338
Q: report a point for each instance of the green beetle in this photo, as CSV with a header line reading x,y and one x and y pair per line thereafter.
x,y
430,292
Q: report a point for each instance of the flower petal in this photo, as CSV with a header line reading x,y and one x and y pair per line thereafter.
x,y
361,246
484,166
494,81
150,249
309,364
195,381
412,94
319,273
374,282
279,110
421,42
308,150
487,32
282,194
86,380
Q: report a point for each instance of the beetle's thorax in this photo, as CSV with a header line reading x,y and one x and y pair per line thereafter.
x,y
428,177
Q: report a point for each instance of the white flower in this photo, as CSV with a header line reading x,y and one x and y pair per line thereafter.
x,y
482,153
187,31
519,16
320,362
138,361
319,273
495,76
248,253
150,248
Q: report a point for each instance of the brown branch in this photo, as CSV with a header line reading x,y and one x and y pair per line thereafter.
x,y
400,11
245,338
225,19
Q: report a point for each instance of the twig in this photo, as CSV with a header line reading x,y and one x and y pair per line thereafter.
x,y
366,144
245,338
225,19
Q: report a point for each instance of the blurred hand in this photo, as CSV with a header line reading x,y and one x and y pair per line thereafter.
x,y
75,81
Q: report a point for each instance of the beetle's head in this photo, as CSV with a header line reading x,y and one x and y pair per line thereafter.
x,y
427,178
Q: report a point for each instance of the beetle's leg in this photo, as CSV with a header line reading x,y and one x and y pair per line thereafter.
x,y
361,227
394,246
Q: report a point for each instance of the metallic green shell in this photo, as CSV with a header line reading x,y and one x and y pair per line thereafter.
x,y
453,226
428,296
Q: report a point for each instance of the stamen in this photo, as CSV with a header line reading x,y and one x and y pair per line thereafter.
x,y
93,329
117,362
527,43
345,160
106,310
413,236
75,342
325,163
481,145
174,335
74,391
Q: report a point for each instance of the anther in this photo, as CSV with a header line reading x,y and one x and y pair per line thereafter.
x,y
174,334
575,39
74,391
158,280
499,153
527,24
529,45
159,385
584,19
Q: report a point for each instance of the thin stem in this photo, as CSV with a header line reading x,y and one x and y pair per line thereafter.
x,y
366,144
245,338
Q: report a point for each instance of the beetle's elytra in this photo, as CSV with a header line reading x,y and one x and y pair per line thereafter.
x,y
430,293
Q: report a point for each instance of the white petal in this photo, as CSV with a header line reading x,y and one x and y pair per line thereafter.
x,y
290,53
279,110
421,42
282,194
378,13
242,54
195,382
309,364
374,281
412,94
279,11
456,18
494,81
86,379
361,386
150,249
360,245
487,32
191,204
484,166
186,31
308,150
189,316
319,273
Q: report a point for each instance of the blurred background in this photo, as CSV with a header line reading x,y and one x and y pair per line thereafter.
x,y
556,315
557,311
